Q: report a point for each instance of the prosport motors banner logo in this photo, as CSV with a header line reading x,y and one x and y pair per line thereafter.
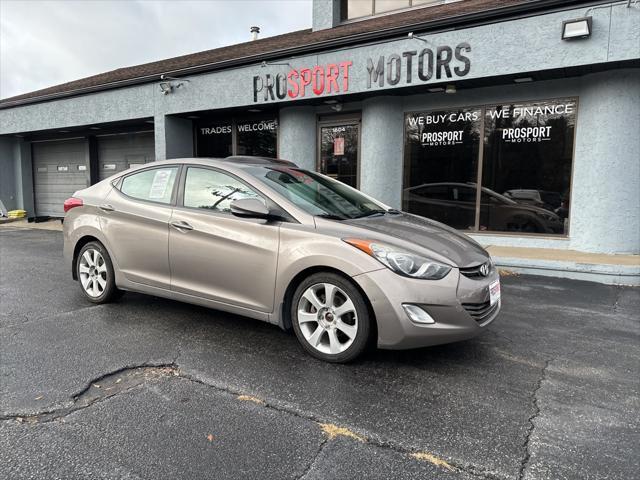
x,y
526,134
528,124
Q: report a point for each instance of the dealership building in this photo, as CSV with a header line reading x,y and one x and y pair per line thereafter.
x,y
515,121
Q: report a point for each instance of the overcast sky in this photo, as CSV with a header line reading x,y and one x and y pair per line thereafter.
x,y
47,42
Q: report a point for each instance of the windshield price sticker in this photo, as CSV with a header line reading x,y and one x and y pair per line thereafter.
x,y
494,292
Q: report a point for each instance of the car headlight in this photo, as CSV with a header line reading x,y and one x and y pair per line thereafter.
x,y
403,263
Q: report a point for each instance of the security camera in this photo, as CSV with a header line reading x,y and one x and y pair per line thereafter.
x,y
166,88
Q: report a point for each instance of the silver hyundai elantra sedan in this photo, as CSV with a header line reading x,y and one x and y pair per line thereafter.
x,y
265,239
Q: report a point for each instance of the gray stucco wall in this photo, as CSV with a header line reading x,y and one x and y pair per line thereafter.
x,y
297,136
8,180
381,147
606,174
23,171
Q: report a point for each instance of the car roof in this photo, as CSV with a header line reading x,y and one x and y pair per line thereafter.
x,y
235,160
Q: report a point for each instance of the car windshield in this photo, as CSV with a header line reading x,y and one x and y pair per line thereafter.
x,y
317,194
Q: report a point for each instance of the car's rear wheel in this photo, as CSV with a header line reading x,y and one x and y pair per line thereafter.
x,y
95,273
330,318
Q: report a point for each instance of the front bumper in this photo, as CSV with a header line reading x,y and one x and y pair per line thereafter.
x,y
458,304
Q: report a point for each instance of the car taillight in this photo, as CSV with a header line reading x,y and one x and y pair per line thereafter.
x,y
72,202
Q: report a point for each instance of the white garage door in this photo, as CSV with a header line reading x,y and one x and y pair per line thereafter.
x,y
119,152
59,169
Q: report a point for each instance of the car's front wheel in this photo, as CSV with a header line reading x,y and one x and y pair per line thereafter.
x,y
95,273
330,317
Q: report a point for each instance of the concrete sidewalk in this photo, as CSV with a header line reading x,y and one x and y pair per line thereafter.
x,y
595,267
52,224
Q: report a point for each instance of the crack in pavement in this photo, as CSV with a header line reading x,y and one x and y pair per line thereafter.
x,y
39,318
371,438
99,389
614,308
306,471
128,378
532,418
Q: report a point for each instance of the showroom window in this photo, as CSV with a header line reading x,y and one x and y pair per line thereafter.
x,y
441,159
213,190
237,136
524,163
155,185
214,139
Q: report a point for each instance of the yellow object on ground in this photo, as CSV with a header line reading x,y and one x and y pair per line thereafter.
x,y
17,214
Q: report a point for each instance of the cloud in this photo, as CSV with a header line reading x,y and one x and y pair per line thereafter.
x,y
48,42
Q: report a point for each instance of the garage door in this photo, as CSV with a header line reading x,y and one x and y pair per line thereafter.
x,y
119,152
59,169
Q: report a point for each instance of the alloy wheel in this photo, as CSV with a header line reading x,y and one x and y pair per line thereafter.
x,y
92,271
327,318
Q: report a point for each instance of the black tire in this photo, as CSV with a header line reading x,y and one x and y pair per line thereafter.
x,y
359,320
109,291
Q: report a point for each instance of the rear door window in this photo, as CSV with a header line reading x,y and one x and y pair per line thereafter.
x,y
155,185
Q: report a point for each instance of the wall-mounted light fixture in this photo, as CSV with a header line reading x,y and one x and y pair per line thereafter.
x,y
450,89
523,79
576,28
411,36
436,89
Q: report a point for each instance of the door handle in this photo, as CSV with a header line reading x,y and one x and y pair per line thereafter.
x,y
106,207
180,225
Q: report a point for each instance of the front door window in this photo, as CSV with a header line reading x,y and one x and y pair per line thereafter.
x,y
339,144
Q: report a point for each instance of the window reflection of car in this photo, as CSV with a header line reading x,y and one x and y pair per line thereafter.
x,y
454,204
540,198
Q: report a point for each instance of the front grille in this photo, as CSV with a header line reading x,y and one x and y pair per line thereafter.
x,y
480,311
474,272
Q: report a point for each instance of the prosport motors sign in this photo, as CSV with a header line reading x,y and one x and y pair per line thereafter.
x,y
398,69
528,123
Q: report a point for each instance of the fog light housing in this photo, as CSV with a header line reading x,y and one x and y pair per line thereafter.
x,y
417,314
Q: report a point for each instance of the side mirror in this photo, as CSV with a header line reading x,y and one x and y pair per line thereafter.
x,y
249,208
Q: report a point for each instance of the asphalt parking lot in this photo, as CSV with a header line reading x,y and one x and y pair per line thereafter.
x,y
150,388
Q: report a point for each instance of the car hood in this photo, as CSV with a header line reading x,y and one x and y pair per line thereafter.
x,y
445,242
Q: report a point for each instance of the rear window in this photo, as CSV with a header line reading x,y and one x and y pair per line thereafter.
x,y
155,185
